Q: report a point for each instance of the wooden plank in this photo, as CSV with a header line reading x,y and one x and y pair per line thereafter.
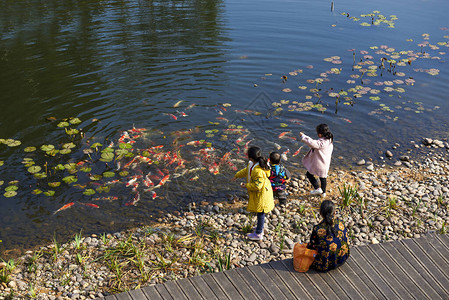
x,y
435,256
309,286
352,264
326,290
435,242
441,241
395,267
253,283
162,290
110,297
214,286
336,278
408,266
355,281
202,287
285,276
137,295
444,238
267,282
385,273
236,280
230,290
151,293
174,290
271,273
123,296
188,289
426,264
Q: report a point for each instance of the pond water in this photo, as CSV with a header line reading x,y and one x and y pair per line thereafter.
x,y
117,93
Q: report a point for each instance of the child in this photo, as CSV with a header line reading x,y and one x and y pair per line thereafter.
x,y
318,159
279,177
259,189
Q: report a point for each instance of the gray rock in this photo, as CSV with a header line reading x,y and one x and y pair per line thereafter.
x,y
404,158
252,257
427,141
370,168
361,162
397,163
388,153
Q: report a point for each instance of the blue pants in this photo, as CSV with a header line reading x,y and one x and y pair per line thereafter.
x,y
260,222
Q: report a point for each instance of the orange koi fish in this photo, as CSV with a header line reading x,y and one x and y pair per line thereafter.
x,y
214,168
182,114
133,180
297,151
137,130
191,106
282,135
195,143
70,204
112,182
296,121
173,116
90,205
163,181
147,182
134,200
222,119
240,139
153,193
130,163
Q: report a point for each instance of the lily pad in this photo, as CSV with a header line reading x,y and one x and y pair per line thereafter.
x,y
36,192
60,167
68,146
34,169
71,131
11,188
70,179
13,143
54,184
63,124
75,121
108,174
65,151
47,147
89,192
29,149
95,177
103,189
10,194
284,125
86,169
40,175
52,152
95,145
2,163
107,156
1,182
125,146
49,193
124,173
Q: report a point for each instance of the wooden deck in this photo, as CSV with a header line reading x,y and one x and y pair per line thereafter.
x,y
406,269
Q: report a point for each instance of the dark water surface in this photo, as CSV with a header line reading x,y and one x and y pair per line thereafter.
x,y
116,65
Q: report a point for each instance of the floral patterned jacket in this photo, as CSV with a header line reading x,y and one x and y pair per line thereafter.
x,y
332,250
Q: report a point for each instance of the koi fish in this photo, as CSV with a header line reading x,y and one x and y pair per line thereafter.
x,y
134,200
112,182
182,132
346,120
240,139
153,193
70,204
106,198
173,116
296,121
214,168
297,151
191,106
130,163
90,205
147,182
222,119
163,181
282,135
195,143
133,180
182,114
137,130
177,103
196,177
284,154
240,111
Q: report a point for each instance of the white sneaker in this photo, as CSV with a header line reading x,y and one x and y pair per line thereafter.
x,y
318,191
323,195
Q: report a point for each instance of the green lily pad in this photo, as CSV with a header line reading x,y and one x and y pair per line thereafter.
x,y
107,156
10,194
49,193
63,124
13,143
2,141
108,174
107,150
40,175
95,145
36,192
65,151
13,182
1,182
95,177
60,167
70,166
129,154
75,121
54,184
86,169
11,188
47,147
71,131
52,152
103,189
68,145
89,192
2,163
125,146
70,179
284,125
121,152
34,169
29,149
124,173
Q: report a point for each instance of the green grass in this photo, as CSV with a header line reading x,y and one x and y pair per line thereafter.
x,y
348,194
7,270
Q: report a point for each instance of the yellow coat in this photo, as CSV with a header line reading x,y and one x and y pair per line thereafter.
x,y
259,189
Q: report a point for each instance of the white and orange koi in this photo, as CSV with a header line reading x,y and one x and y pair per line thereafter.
x,y
90,205
297,151
214,168
105,198
130,163
163,181
182,114
173,116
125,135
112,182
240,139
196,143
70,204
222,119
144,159
133,180
153,193
282,135
137,130
194,178
147,182
134,200
191,106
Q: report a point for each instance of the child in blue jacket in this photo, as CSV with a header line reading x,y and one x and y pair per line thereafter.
x,y
279,177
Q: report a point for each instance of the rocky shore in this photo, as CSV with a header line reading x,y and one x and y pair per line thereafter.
x,y
403,197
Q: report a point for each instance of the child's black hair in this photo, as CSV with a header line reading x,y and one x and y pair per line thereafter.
x,y
275,158
255,153
327,212
323,129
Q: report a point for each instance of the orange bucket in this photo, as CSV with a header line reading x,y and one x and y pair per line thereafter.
x,y
303,257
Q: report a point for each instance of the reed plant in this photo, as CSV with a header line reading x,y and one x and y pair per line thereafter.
x,y
7,270
348,193
224,263
78,240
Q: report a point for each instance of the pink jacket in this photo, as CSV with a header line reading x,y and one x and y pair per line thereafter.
x,y
318,159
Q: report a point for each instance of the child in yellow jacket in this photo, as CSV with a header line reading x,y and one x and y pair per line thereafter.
x,y
259,189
